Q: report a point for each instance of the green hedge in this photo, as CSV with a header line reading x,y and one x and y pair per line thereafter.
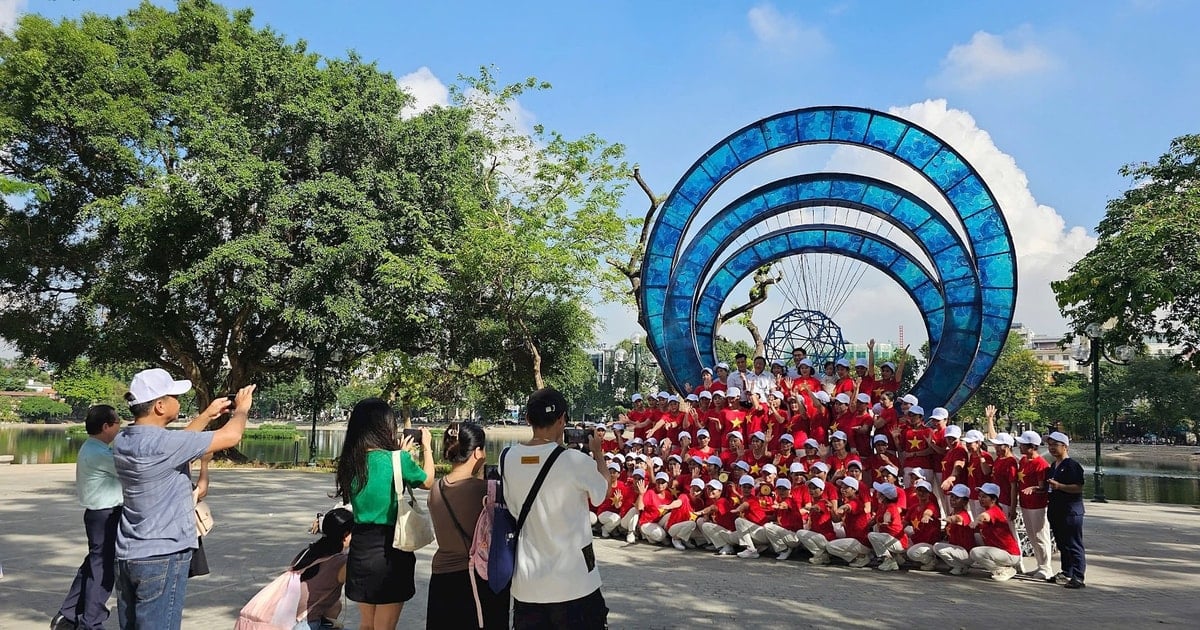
x,y
272,432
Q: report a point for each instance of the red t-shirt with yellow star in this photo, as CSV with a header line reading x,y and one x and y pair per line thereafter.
x,y
915,441
930,532
856,521
975,475
1004,473
619,499
961,535
995,532
1031,473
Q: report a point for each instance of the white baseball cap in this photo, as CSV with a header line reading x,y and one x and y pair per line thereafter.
x,y
892,469
954,431
854,462
693,398
817,483
843,398
822,397
697,483
639,472
1059,437
783,482
777,394
662,477
842,363
746,480
939,413
1030,437
812,443
722,366
918,472
664,395
921,483
714,460
652,441
696,459
787,437
837,435
990,488
734,434
916,410
657,461
702,433
673,398
879,439
716,485
960,491
910,399
150,385
733,391
770,469
974,435
685,434
636,397
675,457
707,369
614,466
796,467
758,435
886,489
741,464
849,482
1003,438
706,395
889,365
863,397
821,466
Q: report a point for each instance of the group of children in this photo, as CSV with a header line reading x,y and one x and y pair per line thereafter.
x,y
746,464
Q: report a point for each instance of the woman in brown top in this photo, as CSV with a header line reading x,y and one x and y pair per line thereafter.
x,y
455,502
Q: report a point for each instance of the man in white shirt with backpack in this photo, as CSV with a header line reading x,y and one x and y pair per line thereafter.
x,y
556,583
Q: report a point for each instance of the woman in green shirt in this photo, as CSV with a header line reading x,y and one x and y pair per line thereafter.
x,y
379,577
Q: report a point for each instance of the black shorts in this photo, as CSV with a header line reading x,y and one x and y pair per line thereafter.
x,y
452,603
376,572
586,613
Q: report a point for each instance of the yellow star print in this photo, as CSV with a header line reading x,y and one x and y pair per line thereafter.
x,y
914,444
1021,476
970,470
754,469
692,517
833,427
737,422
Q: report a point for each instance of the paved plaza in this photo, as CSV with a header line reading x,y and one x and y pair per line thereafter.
x,y
1142,569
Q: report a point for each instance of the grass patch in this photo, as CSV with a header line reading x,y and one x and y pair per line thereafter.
x,y
271,432
77,429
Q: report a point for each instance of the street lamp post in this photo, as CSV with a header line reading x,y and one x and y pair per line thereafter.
x,y
637,364
1091,355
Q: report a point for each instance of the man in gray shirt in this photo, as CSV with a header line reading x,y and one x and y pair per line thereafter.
x,y
157,530
100,495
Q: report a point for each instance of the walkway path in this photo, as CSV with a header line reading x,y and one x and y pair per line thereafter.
x,y
1142,568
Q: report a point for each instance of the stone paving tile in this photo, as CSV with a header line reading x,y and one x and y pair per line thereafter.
x,y
1141,570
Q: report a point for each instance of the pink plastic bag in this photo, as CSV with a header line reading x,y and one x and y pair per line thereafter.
x,y
275,607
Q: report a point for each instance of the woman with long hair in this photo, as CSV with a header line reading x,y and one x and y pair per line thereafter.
x,y
455,503
379,577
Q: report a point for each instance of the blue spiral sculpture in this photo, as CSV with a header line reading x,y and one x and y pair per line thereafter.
x,y
966,300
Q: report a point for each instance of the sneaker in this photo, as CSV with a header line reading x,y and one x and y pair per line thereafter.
x,y
928,566
59,622
1073,583
630,538
749,554
1060,579
889,565
727,550
957,571
1003,574
820,559
678,544
860,561
784,555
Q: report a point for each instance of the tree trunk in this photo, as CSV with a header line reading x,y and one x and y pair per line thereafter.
x,y
760,349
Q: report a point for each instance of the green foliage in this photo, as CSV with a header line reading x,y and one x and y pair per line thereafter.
x,y
271,432
727,350
1144,272
214,192
14,373
81,385
8,409
1067,400
1013,384
43,409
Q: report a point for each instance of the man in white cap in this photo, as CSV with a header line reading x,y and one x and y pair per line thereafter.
x,y
1064,485
1032,499
157,532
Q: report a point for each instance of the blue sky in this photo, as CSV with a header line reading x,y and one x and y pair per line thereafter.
x,y
1063,92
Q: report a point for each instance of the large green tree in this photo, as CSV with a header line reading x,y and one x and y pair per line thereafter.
x,y
1013,384
203,195
1144,272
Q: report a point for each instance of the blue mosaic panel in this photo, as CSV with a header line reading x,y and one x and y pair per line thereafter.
x,y
721,162
885,133
780,131
814,126
946,169
850,125
748,143
969,196
997,271
882,198
917,148
847,190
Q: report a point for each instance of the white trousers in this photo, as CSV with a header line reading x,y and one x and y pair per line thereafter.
x,y
655,531
993,558
780,537
718,536
943,500
847,549
815,543
611,521
922,553
751,535
682,530
593,518
1038,530
953,555
884,544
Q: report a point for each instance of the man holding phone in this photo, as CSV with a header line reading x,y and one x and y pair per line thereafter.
x,y
556,582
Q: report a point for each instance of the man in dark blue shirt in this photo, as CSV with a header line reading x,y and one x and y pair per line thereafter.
x,y
1064,484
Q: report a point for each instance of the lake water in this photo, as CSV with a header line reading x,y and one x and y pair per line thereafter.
x,y
1149,482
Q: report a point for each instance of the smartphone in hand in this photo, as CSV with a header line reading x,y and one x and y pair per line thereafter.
x,y
415,434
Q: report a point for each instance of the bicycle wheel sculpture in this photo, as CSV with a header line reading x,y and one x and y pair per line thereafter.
x,y
965,294
812,330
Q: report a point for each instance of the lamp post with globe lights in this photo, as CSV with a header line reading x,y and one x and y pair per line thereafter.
x,y
1091,355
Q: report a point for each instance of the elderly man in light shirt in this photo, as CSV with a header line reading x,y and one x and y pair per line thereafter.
x,y
99,493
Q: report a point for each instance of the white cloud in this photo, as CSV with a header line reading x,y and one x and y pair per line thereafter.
x,y
783,33
989,57
426,89
10,10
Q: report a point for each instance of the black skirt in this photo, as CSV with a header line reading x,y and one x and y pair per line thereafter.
x,y
452,604
377,573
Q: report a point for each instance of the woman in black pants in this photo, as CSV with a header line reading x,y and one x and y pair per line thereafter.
x,y
455,503
1064,483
